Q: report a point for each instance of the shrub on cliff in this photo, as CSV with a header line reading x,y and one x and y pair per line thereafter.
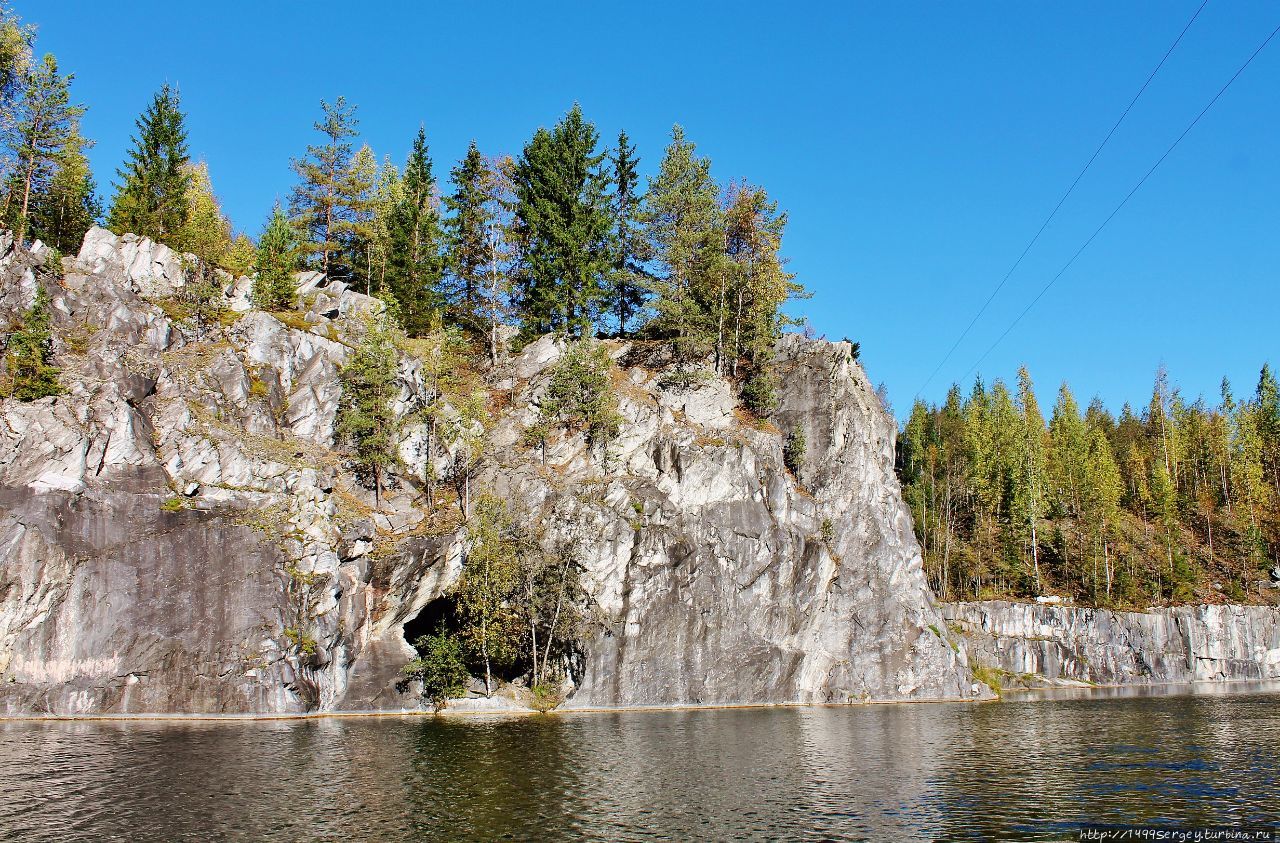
x,y
580,395
439,667
30,374
793,451
366,416
273,289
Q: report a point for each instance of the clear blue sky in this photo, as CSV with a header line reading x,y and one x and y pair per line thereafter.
x,y
917,147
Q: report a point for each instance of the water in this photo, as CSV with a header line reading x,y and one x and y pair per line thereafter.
x,y
1027,769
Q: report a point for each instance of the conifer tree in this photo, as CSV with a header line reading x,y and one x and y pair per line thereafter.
x,y
204,232
67,206
31,375
749,314
367,421
562,218
414,239
686,231
1028,490
466,229
277,259
45,128
151,198
627,278
357,230
321,204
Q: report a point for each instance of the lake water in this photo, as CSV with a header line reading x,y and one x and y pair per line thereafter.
x,y
1025,769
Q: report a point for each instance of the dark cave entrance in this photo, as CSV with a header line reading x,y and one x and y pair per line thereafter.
x,y
440,614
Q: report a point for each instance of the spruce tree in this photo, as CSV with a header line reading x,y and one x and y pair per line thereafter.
x,y
321,203
45,128
627,278
466,229
563,221
413,241
151,198
277,259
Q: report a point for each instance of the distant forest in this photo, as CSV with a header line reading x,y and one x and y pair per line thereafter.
x,y
1178,501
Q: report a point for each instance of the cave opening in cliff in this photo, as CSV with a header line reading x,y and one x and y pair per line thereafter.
x,y
439,615
443,615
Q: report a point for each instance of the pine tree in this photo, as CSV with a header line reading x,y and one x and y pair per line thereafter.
x,y
151,199
685,229
562,218
414,238
321,202
277,259
68,205
1268,402
45,128
627,277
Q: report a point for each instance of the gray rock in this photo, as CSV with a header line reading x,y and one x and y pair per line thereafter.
x,y
1054,644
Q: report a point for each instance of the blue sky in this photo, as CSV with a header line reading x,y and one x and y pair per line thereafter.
x,y
917,148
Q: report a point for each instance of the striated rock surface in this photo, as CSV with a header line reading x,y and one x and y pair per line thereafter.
x,y
1037,645
179,532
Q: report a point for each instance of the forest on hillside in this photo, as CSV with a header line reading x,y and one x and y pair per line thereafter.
x,y
562,237
1173,503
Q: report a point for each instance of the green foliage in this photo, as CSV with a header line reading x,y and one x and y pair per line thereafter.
x,y
628,279
301,641
580,395
760,394
277,258
204,231
173,504
440,668
414,239
793,451
329,200
367,421
1130,509
45,138
491,628
151,198
201,299
562,220
27,357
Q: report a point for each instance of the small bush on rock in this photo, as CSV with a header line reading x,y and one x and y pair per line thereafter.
x,y
580,395
793,451
31,376
760,394
440,668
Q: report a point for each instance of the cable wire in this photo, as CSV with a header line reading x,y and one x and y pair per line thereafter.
x,y
1123,202
1061,201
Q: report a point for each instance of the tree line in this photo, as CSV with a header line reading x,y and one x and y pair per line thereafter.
x,y
1174,502
561,237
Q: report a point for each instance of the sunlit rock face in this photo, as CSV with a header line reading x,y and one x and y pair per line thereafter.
x,y
179,532
1047,645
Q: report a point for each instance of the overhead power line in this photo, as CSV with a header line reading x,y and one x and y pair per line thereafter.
x,y
1063,199
1124,201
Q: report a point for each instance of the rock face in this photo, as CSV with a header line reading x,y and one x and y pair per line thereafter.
x,y
180,533
1034,644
